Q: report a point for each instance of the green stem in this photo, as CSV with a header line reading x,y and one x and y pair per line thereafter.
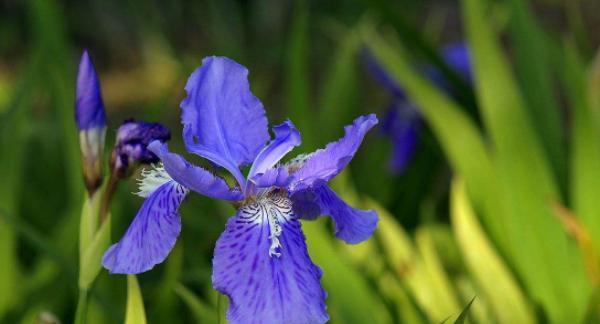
x,y
81,313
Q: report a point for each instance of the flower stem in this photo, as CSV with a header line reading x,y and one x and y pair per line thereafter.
x,y
108,193
82,303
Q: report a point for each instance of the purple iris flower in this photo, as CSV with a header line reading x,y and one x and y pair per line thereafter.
x,y
131,145
260,261
403,120
90,118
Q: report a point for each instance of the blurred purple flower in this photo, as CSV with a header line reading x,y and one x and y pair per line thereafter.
x,y
260,261
131,146
90,118
403,120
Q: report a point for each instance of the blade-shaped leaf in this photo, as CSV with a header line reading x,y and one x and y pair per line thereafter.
x,y
546,261
134,313
487,268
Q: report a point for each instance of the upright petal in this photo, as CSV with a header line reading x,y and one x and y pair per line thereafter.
x,y
351,225
193,177
275,177
151,235
222,120
265,289
324,164
286,138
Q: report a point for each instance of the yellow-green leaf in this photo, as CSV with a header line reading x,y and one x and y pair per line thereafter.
x,y
490,273
91,262
135,313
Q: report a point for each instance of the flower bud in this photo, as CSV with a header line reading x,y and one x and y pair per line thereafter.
x,y
131,147
90,118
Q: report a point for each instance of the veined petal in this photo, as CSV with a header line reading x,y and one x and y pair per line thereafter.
x,y
351,225
222,120
286,138
324,164
265,288
193,177
152,234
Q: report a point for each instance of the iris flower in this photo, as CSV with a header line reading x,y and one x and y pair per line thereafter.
x,y
403,120
260,261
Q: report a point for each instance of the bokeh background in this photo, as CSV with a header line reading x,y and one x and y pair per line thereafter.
x,y
497,203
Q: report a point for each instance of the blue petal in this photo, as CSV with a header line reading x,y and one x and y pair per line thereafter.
x,y
351,225
458,57
152,234
264,289
89,108
223,121
324,164
276,177
193,177
286,138
402,125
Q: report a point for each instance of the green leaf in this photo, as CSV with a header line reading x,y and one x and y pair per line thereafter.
x,y
202,312
532,58
545,259
91,262
585,154
487,269
339,99
296,71
420,273
350,298
465,312
89,221
134,313
458,135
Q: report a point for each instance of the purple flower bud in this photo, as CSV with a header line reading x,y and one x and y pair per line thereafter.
x,y
91,122
89,108
131,147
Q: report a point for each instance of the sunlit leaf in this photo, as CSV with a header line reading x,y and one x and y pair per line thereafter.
x,y
543,256
487,268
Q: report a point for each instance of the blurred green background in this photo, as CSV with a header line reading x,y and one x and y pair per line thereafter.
x,y
499,203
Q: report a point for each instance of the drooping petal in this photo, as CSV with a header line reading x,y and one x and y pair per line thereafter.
x,y
286,138
222,120
151,235
324,164
351,225
193,177
265,288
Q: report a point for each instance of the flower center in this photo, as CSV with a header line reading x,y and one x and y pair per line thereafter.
x,y
274,209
